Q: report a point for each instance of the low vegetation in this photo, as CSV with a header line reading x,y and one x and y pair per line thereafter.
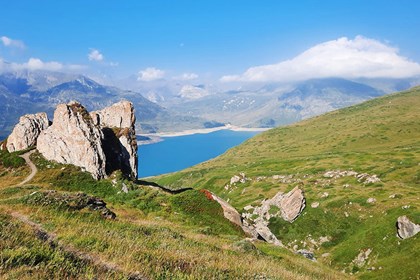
x,y
379,137
158,235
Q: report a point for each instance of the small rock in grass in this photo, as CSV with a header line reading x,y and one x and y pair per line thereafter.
x,y
371,200
315,204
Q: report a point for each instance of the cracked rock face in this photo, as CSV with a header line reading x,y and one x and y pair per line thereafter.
x,y
73,138
292,204
406,228
117,123
26,132
100,142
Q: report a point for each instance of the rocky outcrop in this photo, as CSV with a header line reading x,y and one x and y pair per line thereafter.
x,y
26,132
73,138
100,142
229,212
362,258
406,228
292,204
287,206
117,123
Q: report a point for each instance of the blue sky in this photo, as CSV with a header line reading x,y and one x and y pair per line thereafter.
x,y
204,38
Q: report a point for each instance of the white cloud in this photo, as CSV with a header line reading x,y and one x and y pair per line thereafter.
x,y
8,42
95,55
150,74
346,58
32,64
186,77
38,64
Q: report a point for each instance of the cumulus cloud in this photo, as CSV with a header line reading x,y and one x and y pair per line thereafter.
x,y
95,55
34,64
38,64
8,42
186,77
150,74
346,58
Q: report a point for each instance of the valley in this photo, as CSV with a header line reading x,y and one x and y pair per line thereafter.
x,y
357,167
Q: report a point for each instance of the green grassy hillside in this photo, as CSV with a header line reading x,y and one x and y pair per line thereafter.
x,y
379,137
52,235
157,235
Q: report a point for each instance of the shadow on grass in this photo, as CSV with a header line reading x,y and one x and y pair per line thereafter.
x,y
163,188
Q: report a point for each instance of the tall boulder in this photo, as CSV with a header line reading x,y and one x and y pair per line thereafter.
x,y
73,138
292,204
117,123
26,132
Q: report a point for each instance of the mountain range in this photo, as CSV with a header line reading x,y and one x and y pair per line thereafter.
x,y
168,106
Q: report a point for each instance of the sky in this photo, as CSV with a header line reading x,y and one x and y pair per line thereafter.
x,y
225,41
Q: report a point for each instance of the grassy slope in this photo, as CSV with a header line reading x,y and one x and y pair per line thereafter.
x,y
381,137
158,235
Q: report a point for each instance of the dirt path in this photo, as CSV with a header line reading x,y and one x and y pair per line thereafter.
x,y
34,170
51,240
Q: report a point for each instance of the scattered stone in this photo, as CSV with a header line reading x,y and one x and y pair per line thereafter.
x,y
72,201
248,207
307,254
338,174
405,206
346,214
395,195
314,204
241,178
324,195
26,132
361,177
362,257
406,228
367,179
371,200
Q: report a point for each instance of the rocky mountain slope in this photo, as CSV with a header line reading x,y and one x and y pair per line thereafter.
x,y
31,92
274,105
358,168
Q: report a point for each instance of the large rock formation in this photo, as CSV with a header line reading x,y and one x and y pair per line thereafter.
x,y
120,145
288,206
406,228
73,138
26,132
100,142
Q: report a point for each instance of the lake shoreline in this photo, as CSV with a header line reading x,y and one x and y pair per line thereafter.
x,y
203,131
177,153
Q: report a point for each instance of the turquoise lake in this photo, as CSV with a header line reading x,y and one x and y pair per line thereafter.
x,y
177,153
